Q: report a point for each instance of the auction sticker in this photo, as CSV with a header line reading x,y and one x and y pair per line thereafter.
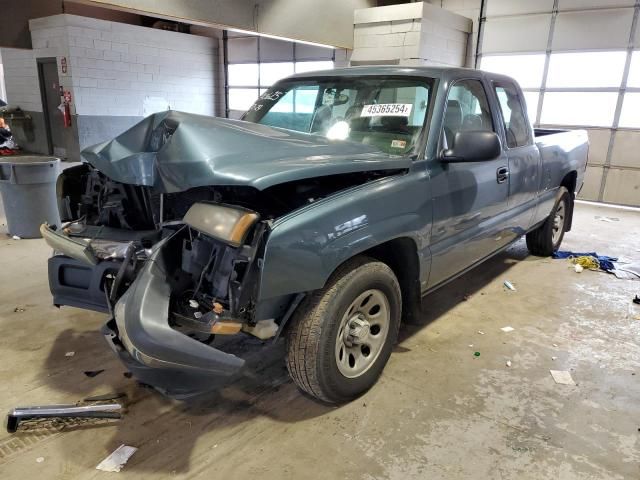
x,y
387,110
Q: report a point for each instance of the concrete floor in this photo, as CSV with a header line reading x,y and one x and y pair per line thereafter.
x,y
437,412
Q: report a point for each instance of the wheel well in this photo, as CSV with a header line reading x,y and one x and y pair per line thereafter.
x,y
570,181
401,255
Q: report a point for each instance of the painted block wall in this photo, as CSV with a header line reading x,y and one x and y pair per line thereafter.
x,y
410,34
117,74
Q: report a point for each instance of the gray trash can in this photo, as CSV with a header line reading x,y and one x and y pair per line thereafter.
x,y
28,188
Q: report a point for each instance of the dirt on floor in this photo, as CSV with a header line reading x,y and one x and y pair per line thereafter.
x,y
439,411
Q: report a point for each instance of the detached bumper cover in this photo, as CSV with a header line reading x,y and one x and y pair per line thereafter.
x,y
156,353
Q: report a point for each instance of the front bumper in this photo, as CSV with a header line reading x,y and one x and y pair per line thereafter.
x,y
156,353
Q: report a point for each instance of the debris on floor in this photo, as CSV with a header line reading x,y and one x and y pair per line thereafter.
x,y
636,300
89,408
578,268
606,219
508,364
16,237
40,459
554,358
589,260
93,373
69,354
118,458
507,329
509,285
18,310
476,354
562,377
480,332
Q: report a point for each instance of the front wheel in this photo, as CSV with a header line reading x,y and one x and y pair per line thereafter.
x,y
341,336
546,239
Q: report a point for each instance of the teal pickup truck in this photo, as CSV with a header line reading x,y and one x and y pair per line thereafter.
x,y
323,216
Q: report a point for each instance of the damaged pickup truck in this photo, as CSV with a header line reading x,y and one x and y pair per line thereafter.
x,y
324,215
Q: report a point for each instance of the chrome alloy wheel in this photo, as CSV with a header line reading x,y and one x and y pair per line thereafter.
x,y
362,333
558,223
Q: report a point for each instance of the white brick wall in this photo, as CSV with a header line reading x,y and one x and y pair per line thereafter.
x,y
118,69
21,79
410,34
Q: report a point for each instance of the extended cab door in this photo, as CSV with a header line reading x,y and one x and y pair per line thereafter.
x,y
469,198
523,156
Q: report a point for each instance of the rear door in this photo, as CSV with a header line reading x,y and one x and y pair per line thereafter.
x,y
523,156
469,199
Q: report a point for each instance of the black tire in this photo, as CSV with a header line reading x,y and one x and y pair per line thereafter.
x,y
312,337
541,241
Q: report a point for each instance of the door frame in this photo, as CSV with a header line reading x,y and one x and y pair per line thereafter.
x,y
43,98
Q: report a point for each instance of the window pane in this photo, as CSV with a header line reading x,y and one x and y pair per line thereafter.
x,y
586,69
630,114
526,69
579,108
467,109
634,70
515,123
242,98
270,73
243,75
531,99
302,67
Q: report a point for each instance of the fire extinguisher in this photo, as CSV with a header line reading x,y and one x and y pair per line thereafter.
x,y
65,99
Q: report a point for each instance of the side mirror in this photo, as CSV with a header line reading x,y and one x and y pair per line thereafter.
x,y
473,146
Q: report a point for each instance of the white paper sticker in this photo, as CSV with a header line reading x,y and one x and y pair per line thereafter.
x,y
387,110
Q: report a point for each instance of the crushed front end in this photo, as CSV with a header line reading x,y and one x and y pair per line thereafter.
x,y
173,271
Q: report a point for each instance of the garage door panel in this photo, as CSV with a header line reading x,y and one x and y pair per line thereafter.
x,y
312,52
243,49
516,34
598,145
518,7
625,149
586,4
592,29
622,186
272,50
591,187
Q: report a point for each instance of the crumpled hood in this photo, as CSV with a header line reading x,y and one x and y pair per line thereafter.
x,y
174,151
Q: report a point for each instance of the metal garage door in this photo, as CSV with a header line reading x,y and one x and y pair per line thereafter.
x,y
255,63
579,63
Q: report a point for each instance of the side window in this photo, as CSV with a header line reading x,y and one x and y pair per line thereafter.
x,y
467,109
516,126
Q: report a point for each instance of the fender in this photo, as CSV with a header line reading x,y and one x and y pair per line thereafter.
x,y
305,247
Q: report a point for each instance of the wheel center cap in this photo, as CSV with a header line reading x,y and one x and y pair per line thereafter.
x,y
357,331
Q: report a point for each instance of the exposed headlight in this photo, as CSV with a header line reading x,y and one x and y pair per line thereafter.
x,y
229,224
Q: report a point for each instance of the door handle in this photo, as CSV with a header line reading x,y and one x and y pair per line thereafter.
x,y
502,174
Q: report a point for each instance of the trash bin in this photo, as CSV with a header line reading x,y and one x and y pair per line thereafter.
x,y
28,188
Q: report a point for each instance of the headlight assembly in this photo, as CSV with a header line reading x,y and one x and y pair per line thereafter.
x,y
229,224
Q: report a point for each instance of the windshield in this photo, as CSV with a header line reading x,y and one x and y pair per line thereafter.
x,y
384,112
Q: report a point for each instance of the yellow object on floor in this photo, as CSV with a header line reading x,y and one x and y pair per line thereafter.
x,y
586,262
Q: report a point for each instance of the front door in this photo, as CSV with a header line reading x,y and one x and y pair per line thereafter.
x,y
469,199
53,117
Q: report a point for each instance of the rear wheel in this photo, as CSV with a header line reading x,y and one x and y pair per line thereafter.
x,y
341,336
546,239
